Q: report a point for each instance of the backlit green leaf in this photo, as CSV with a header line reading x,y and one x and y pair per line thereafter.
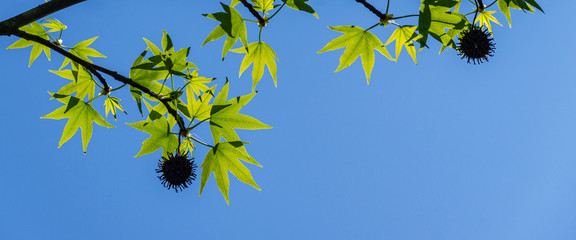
x,y
437,21
261,54
35,29
232,25
225,157
485,17
82,51
161,136
404,36
82,83
358,43
80,115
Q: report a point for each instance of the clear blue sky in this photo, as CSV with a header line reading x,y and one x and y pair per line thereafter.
x,y
441,150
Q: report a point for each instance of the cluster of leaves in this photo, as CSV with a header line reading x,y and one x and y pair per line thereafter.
x,y
173,78
439,19
179,88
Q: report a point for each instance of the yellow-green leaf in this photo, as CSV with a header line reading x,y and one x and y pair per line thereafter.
x,y
225,157
261,54
358,43
80,115
485,17
404,36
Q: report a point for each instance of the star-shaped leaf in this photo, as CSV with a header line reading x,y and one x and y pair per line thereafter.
x,y
525,5
224,116
301,5
232,25
404,36
485,17
161,136
82,51
80,115
437,21
82,83
263,5
112,104
225,157
35,29
358,43
54,25
261,54
199,109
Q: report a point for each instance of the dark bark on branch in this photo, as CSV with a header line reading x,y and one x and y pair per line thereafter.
x,y
95,68
256,15
11,27
12,24
372,9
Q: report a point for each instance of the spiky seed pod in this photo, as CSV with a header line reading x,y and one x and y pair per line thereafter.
x,y
176,171
476,44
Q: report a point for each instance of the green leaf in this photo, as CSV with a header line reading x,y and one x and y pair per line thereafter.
x,y
111,104
261,54
199,109
358,43
82,83
161,136
198,84
263,5
232,25
82,51
224,116
54,25
186,147
224,157
35,29
80,115
437,20
300,5
485,17
527,5
404,36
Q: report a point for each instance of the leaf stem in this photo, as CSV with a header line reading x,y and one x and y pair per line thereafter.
x,y
203,143
260,35
373,26
406,16
274,14
387,6
114,89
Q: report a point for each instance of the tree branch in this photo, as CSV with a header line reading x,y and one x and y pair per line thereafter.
x,y
7,27
261,20
372,9
95,68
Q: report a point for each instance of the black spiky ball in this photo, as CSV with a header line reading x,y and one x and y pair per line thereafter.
x,y
476,45
177,171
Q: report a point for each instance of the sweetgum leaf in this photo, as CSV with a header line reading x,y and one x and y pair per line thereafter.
x,y
35,29
225,157
80,115
82,51
232,25
261,54
160,136
358,43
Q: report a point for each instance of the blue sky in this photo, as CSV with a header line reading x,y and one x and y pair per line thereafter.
x,y
438,150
